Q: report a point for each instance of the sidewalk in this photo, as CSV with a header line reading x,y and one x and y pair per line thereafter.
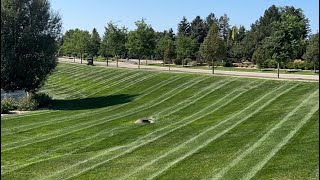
x,y
217,72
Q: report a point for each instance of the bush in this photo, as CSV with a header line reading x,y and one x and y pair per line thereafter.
x,y
27,104
271,63
43,99
192,63
297,65
8,104
187,61
227,64
177,61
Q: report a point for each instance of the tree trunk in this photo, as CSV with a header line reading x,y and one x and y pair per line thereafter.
x,y
146,61
278,69
81,58
74,59
107,61
169,64
212,67
139,63
117,61
315,69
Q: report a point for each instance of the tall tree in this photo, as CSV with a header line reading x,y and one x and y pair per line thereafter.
x,y
288,38
184,27
29,30
77,41
198,30
213,46
95,42
141,42
210,20
185,47
165,47
312,52
224,26
113,42
241,33
169,52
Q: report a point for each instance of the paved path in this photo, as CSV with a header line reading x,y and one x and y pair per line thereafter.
x,y
217,72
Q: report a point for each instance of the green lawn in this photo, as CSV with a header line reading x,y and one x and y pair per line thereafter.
x,y
206,127
305,72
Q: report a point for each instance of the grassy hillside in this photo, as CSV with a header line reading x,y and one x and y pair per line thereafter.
x,y
206,127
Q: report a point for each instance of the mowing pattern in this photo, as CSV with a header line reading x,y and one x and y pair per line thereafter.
x,y
205,128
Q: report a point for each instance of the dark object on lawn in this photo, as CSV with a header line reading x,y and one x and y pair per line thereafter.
x,y
144,121
90,61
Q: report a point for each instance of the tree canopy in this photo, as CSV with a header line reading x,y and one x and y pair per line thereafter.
x,y
29,33
141,42
114,40
312,52
213,46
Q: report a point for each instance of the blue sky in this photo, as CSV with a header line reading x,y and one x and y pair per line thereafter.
x,y
165,14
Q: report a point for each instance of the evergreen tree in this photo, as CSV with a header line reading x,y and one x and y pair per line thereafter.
x,y
224,26
184,27
198,30
95,42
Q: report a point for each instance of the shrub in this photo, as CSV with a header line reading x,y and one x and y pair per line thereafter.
x,y
177,61
193,63
270,63
187,61
297,65
27,104
8,104
43,99
227,64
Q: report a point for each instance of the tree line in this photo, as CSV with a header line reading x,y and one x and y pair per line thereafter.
x,y
278,37
31,41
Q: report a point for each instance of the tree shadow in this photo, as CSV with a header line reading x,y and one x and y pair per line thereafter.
x,y
91,103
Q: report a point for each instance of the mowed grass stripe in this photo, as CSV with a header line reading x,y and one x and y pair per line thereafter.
x,y
279,146
223,150
80,81
89,124
221,173
155,87
30,139
110,92
111,80
203,132
239,93
208,141
223,83
99,111
144,140
109,140
149,90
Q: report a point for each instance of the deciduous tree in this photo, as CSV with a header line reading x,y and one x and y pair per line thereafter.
x,y
213,46
29,32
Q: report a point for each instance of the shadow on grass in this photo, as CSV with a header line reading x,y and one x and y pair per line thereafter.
x,y
91,103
